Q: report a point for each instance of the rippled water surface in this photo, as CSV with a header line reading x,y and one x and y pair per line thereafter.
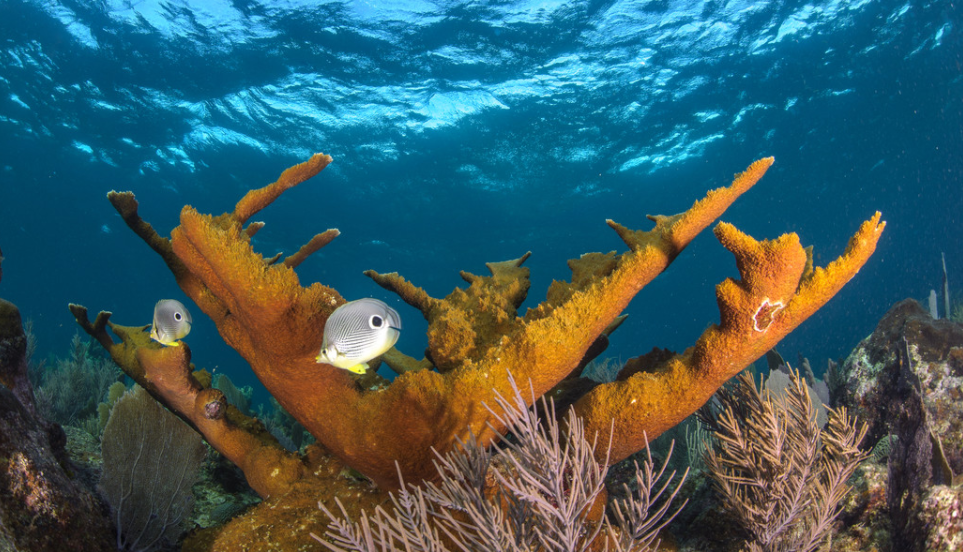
x,y
466,132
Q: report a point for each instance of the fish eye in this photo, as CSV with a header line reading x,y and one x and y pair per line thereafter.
x,y
177,316
376,321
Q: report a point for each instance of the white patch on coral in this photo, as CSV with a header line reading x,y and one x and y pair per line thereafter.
x,y
768,309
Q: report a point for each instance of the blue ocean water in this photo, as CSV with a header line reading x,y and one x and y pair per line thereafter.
x,y
466,132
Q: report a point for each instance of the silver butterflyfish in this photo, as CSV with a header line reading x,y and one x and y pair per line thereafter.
x,y
172,322
357,332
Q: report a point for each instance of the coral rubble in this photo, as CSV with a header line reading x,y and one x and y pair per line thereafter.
x,y
475,335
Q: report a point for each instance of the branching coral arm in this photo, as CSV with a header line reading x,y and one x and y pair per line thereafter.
x,y
772,272
167,374
475,335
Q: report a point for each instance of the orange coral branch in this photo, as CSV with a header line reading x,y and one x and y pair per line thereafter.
x,y
167,374
401,363
126,205
778,290
254,228
317,242
255,200
410,293
475,335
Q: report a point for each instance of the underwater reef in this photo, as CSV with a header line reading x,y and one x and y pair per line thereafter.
x,y
476,338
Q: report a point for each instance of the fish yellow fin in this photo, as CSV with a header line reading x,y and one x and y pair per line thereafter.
x,y
358,368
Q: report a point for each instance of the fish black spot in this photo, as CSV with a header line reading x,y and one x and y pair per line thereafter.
x,y
376,321
177,316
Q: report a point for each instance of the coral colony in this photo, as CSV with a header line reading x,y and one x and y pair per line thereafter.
x,y
475,338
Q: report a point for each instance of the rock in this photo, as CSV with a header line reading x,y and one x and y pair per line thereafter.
x,y
935,354
41,507
905,380
864,523
942,512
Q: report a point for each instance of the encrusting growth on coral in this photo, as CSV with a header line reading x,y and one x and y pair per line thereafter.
x,y
475,335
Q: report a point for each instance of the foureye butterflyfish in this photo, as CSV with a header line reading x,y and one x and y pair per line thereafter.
x,y
171,322
357,332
